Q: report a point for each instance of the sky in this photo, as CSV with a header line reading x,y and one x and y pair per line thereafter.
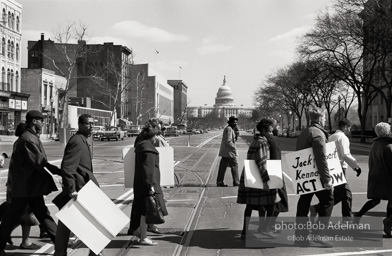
x,y
199,41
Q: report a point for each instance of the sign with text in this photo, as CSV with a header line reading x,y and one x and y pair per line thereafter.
x,y
93,217
252,177
301,167
166,166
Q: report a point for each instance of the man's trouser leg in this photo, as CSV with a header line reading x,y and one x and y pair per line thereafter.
x,y
38,207
62,238
135,218
11,218
222,170
234,170
325,198
303,206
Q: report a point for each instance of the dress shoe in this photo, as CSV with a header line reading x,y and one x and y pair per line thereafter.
x,y
153,229
43,234
147,241
236,184
221,184
32,246
9,241
387,227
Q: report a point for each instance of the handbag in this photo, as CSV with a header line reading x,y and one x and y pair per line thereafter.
x,y
154,213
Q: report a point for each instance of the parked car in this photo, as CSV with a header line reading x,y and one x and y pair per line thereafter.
x,y
133,130
113,133
171,131
96,131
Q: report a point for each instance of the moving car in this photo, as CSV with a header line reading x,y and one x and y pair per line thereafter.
x,y
172,131
133,130
96,131
113,133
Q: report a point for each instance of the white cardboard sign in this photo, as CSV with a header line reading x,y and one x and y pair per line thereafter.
x,y
302,169
166,166
253,177
93,217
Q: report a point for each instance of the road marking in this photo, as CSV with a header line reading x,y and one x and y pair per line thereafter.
x,y
349,253
208,140
43,249
226,197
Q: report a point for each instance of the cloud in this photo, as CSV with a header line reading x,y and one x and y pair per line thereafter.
x,y
209,46
291,35
135,29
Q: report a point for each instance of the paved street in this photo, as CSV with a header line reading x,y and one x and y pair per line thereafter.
x,y
203,219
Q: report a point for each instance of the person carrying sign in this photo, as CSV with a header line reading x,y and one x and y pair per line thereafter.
x,y
263,200
76,171
342,193
315,137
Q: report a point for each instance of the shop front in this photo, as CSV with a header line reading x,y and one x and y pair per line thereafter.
x,y
4,111
17,110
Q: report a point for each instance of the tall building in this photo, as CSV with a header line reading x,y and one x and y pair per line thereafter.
x,y
44,88
180,100
13,103
97,59
224,105
149,96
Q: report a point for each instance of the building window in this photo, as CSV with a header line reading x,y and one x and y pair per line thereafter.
x,y
17,52
9,19
11,87
13,21
17,23
3,85
3,47
17,81
8,49
45,92
4,17
12,50
8,79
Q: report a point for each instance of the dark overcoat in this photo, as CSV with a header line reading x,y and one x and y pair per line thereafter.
x,y
380,169
76,168
29,178
147,175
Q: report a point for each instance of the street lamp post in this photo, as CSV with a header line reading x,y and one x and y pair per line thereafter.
x,y
51,117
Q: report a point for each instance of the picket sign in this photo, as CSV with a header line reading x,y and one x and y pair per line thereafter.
x,y
166,166
302,169
252,177
93,217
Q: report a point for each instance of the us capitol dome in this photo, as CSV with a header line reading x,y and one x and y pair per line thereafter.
x,y
224,105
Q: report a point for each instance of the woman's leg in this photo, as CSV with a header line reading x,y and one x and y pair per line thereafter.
x,y
247,214
144,240
367,206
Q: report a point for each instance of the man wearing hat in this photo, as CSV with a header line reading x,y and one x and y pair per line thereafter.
x,y
228,152
30,181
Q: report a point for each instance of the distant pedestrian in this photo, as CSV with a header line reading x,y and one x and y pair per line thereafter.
x,y
228,152
147,177
76,171
30,182
263,200
315,137
380,176
342,193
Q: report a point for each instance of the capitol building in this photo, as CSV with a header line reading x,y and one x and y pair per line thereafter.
x,y
224,105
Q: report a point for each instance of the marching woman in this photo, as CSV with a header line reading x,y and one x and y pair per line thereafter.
x,y
263,200
147,177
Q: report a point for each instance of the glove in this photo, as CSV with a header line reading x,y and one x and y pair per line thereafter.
x,y
358,170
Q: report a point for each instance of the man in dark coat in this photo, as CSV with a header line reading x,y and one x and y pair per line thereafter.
x,y
30,181
76,171
316,137
228,152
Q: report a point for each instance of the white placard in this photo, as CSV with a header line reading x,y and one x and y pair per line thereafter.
x,y
93,217
166,166
302,169
253,177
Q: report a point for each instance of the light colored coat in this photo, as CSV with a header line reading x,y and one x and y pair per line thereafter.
x,y
227,148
